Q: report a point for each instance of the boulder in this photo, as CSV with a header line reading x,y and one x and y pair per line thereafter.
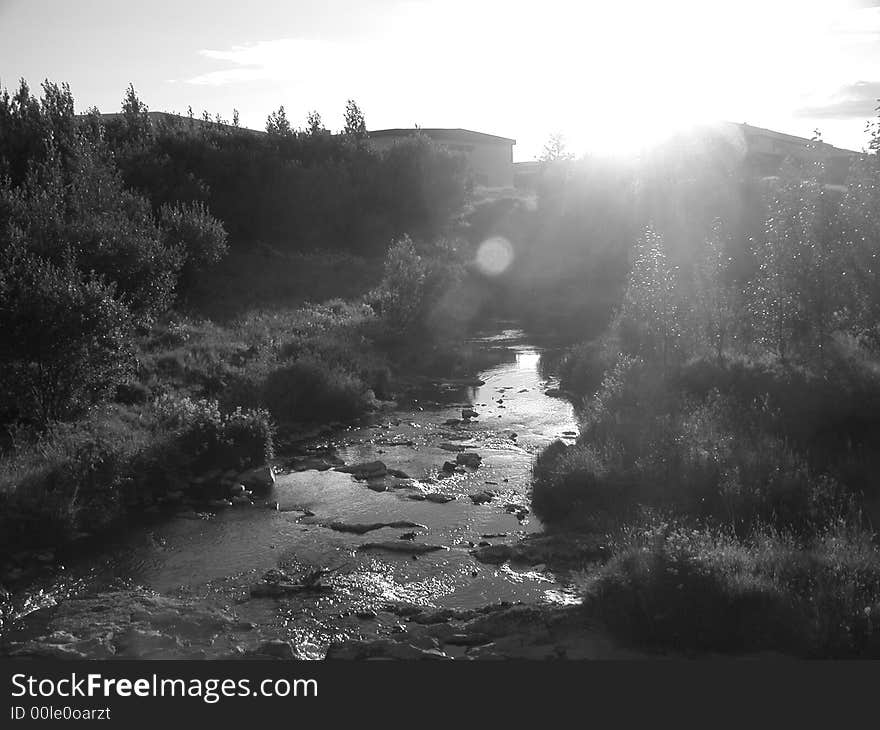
x,y
467,413
494,554
261,478
439,498
469,459
401,546
448,467
365,470
482,497
276,649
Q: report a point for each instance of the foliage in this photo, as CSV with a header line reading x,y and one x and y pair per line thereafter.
x,y
199,237
66,340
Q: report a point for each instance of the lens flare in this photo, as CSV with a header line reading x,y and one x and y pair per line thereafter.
x,y
494,256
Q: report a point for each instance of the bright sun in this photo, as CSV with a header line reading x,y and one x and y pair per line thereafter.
x,y
639,70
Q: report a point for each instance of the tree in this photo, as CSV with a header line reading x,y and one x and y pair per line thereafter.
x,y
277,123
135,117
66,337
314,124
199,238
714,297
796,294
650,317
355,124
555,149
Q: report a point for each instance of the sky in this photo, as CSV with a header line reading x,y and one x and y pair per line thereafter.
x,y
607,75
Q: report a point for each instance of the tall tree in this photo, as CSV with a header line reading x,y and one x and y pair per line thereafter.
x,y
355,124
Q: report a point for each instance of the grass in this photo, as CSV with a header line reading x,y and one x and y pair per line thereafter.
x,y
699,589
762,469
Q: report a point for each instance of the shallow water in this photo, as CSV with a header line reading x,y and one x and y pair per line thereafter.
x,y
218,559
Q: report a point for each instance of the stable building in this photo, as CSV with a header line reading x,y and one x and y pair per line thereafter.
x,y
489,157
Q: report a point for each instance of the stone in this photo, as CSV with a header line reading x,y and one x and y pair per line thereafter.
x,y
451,447
494,554
448,467
276,648
261,478
482,497
467,413
365,470
398,546
381,649
439,498
469,459
361,529
241,499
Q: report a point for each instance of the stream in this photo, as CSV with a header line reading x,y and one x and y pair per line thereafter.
x,y
203,568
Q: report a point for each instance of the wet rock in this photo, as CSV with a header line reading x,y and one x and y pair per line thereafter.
x,y
366,615
451,447
434,616
468,413
237,489
482,497
448,467
361,529
439,497
469,459
218,503
377,486
312,463
407,536
365,470
262,478
399,546
279,590
493,554
452,422
398,474
466,639
381,649
241,500
553,393
275,649
133,624
417,497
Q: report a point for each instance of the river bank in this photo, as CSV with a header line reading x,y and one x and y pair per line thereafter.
x,y
417,513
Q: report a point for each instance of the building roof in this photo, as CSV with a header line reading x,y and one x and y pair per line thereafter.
x,y
451,135
749,130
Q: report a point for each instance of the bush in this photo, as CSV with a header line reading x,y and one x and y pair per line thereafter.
x,y
204,438
675,587
414,282
66,340
74,476
309,390
192,230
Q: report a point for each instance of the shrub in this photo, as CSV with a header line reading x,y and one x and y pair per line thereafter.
x,y
192,230
685,588
205,438
66,340
74,476
307,390
414,282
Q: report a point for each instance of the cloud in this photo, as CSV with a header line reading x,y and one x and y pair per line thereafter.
x,y
854,101
284,59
